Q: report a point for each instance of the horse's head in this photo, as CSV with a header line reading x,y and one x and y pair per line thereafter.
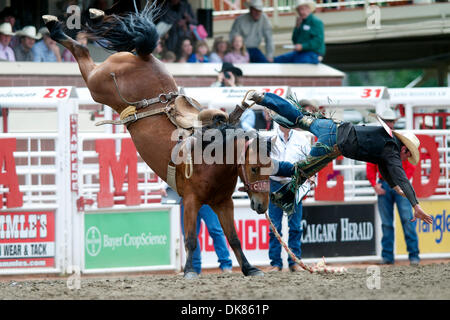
x,y
254,170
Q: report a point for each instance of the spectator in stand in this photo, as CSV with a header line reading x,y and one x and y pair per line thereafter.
x,y
230,76
28,37
220,49
184,50
387,197
159,50
6,34
67,56
238,53
307,37
175,22
46,50
255,26
168,56
8,15
201,52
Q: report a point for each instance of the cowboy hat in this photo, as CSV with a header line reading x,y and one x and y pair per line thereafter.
x,y
411,142
226,66
388,114
30,32
256,4
6,29
310,3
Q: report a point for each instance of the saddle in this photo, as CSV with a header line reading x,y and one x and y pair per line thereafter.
x,y
185,112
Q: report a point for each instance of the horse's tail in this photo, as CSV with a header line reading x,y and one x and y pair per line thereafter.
x,y
125,33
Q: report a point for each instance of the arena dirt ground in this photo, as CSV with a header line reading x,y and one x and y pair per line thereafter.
x,y
430,280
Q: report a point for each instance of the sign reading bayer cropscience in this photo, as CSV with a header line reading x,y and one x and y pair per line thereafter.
x,y
126,239
338,231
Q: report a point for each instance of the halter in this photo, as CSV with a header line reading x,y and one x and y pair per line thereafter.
x,y
259,186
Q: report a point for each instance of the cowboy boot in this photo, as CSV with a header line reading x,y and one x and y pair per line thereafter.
x,y
284,198
255,96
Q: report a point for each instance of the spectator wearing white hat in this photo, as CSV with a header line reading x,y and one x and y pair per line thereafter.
x,y
255,26
387,197
28,37
308,36
46,50
6,34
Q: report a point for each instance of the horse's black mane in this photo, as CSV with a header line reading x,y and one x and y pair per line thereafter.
x,y
225,128
132,31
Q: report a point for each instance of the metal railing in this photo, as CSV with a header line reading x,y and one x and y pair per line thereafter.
x,y
229,7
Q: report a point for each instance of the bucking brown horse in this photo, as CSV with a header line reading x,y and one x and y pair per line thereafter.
x,y
134,77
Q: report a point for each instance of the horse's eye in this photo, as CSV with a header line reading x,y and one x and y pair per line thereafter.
x,y
255,170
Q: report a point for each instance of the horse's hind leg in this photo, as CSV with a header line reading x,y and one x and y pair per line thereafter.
x,y
191,208
225,211
80,52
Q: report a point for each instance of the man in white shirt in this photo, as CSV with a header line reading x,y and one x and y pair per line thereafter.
x,y
6,34
292,146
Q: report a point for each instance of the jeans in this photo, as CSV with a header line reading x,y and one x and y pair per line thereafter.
x,y
256,55
295,230
215,231
386,209
298,57
323,129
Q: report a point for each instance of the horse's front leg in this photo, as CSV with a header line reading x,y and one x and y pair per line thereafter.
x,y
191,208
225,211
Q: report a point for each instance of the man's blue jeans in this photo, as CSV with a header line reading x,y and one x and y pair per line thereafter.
x,y
298,57
323,129
256,55
215,231
295,230
386,209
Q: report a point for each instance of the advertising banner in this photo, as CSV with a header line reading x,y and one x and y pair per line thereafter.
x,y
338,231
328,231
27,239
253,232
126,239
433,238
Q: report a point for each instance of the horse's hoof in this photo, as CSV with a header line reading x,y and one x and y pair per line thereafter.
x,y
191,275
258,273
48,17
255,273
96,13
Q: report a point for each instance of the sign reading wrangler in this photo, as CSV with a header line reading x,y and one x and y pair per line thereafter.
x,y
338,231
126,239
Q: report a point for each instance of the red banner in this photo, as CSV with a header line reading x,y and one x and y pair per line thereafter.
x,y
8,175
27,239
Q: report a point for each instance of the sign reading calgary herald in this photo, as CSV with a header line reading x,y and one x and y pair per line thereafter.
x,y
27,239
338,231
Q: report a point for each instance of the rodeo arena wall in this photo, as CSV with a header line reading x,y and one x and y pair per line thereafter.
x,y
74,196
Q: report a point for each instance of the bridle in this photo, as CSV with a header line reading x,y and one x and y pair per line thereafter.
x,y
259,186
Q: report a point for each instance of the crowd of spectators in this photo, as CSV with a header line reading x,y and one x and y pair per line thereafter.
x,y
183,39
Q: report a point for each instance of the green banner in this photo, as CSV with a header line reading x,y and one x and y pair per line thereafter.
x,y
126,239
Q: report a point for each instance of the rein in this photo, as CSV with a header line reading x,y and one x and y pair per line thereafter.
x,y
320,267
260,186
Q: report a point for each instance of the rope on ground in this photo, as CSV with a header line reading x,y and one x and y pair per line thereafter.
x,y
320,267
